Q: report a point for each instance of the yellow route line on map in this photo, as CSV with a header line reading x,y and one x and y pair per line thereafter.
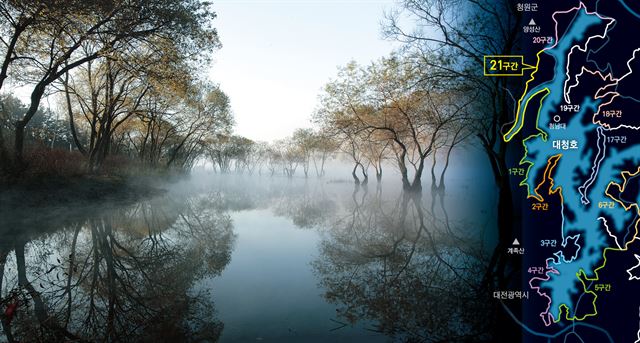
x,y
519,121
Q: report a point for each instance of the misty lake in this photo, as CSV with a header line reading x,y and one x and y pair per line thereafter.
x,y
250,258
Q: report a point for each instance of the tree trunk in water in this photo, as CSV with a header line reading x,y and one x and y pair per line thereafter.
x,y
441,185
406,185
416,186
322,165
355,176
365,176
433,173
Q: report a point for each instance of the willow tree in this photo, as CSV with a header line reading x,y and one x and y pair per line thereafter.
x,y
68,34
376,152
207,114
304,139
342,99
386,105
226,150
323,148
160,112
451,37
456,134
108,96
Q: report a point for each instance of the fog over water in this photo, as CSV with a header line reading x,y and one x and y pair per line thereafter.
x,y
239,258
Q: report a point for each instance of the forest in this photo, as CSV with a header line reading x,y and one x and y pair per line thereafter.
x,y
109,97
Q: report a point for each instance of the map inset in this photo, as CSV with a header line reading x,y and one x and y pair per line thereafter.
x,y
576,124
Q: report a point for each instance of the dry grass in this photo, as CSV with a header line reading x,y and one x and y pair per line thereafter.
x,y
54,162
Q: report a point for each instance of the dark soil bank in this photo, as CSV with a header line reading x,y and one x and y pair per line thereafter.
x,y
61,191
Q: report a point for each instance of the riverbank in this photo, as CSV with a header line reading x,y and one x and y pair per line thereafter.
x,y
67,191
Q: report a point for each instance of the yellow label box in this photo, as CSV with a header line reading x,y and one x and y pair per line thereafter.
x,y
505,65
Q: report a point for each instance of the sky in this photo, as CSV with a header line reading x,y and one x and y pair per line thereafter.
x,y
276,56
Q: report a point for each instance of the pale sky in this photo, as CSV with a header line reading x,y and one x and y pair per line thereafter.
x,y
278,54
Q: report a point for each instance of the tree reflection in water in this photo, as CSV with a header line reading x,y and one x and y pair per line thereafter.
x,y
403,267
393,263
118,274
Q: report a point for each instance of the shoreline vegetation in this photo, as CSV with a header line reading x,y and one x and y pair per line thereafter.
x,y
62,178
95,93
79,189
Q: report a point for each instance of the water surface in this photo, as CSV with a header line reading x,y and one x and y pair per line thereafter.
x,y
239,258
